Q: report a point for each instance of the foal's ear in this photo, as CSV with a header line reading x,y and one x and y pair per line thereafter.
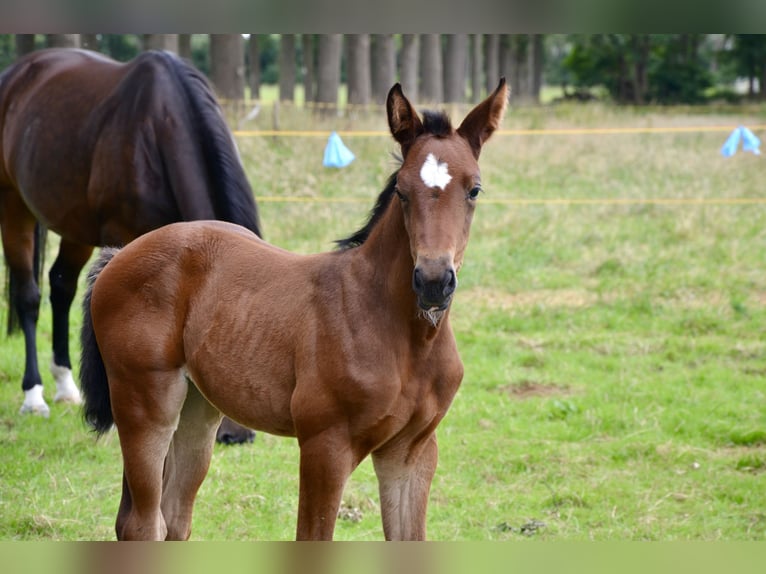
x,y
402,118
484,119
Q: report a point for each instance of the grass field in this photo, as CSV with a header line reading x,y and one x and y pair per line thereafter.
x,y
613,340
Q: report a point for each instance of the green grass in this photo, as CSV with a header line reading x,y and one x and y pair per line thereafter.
x,y
615,354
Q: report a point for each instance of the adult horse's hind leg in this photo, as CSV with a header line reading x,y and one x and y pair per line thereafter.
x,y
63,276
18,235
404,481
187,462
146,405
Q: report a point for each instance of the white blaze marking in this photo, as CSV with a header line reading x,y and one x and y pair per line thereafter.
x,y
435,173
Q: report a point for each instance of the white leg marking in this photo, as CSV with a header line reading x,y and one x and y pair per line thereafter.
x,y
66,389
435,173
34,402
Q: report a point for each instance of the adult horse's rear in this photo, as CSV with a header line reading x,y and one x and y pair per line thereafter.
x,y
101,152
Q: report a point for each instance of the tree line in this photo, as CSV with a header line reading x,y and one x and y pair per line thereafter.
x,y
626,68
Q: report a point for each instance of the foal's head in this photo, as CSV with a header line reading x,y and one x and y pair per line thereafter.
x,y
438,186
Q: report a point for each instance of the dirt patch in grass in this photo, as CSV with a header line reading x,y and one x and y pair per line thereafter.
x,y
529,389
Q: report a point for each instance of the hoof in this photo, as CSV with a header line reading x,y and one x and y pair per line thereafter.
x,y
232,433
34,403
68,399
66,389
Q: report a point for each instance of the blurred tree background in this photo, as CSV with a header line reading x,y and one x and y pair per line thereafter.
x,y
633,69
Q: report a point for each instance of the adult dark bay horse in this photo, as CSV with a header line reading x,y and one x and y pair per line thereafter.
x,y
102,152
350,351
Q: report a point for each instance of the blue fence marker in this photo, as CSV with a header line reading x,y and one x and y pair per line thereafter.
x,y
335,153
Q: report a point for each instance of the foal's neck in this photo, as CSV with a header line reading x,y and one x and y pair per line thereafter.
x,y
387,251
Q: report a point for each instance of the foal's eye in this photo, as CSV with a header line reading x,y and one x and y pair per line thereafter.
x,y
400,195
474,193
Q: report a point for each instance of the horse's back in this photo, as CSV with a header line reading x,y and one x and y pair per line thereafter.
x,y
42,106
57,107
103,152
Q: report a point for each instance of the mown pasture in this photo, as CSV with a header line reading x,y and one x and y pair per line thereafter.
x,y
611,315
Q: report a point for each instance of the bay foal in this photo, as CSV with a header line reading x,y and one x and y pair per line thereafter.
x,y
349,351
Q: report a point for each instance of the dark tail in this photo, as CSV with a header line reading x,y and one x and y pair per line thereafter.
x,y
97,409
11,281
233,197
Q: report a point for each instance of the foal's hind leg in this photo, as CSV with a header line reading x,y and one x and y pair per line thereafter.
x,y
187,462
404,481
18,234
63,276
146,410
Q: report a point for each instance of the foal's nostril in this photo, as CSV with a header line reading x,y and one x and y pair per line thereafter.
x,y
417,280
449,283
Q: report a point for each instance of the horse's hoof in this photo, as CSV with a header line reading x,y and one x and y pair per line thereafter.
x,y
239,438
66,389
34,403
40,410
236,439
232,433
68,399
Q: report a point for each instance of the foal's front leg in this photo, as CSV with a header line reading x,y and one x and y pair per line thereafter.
x,y
326,464
404,476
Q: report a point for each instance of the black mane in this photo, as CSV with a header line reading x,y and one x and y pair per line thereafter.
x,y
437,123
434,123
384,199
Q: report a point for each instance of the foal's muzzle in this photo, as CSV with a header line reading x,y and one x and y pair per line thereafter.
x,y
434,283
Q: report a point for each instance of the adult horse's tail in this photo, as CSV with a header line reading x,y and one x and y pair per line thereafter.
x,y
231,195
97,409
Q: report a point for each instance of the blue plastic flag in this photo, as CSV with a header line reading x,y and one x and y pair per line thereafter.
x,y
731,144
335,153
750,142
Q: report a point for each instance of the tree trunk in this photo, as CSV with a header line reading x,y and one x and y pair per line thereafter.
x,y
762,83
492,62
287,68
62,40
227,65
535,62
410,58
477,66
328,73
25,43
513,65
506,62
455,61
358,69
383,66
184,46
309,65
432,89
254,55
160,42
89,42
521,56
641,45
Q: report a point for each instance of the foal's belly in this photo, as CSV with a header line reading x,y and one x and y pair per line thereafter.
x,y
259,403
